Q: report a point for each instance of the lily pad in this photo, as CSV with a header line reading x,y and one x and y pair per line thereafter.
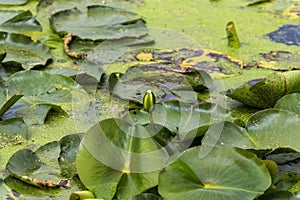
x,y
36,174
278,8
67,156
22,50
146,196
99,23
165,84
7,102
225,173
17,165
264,93
280,60
51,6
18,21
290,102
185,60
134,167
13,132
186,120
13,2
271,129
42,87
288,34
33,114
267,129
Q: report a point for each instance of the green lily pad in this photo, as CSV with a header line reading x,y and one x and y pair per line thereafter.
x,y
67,156
225,173
146,196
35,114
267,129
13,2
186,120
134,167
39,173
17,165
13,131
165,84
271,129
18,21
264,93
22,50
51,6
7,102
99,23
42,87
282,195
290,102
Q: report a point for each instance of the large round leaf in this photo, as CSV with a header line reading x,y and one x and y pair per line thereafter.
x,y
225,173
21,49
271,129
290,102
99,23
41,87
118,158
267,129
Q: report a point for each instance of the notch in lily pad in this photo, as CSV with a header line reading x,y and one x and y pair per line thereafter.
x,y
232,37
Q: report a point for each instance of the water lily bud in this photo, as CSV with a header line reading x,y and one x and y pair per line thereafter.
x,y
148,100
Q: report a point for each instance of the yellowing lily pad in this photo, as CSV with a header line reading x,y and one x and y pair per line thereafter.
x,y
280,60
186,60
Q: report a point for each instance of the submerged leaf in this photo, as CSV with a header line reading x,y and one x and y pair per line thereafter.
x,y
288,34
